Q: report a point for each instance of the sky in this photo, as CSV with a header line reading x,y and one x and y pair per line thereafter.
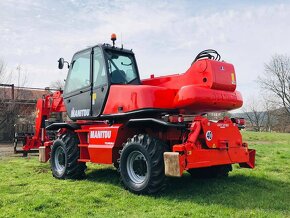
x,y
164,35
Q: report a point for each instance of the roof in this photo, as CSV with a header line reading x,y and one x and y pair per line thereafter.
x,y
21,93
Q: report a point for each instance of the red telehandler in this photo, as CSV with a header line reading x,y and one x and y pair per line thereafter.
x,y
148,129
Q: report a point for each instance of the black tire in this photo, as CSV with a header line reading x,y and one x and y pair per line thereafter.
x,y
24,154
211,172
64,158
142,165
116,165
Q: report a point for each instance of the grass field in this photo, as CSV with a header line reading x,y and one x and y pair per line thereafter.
x,y
27,189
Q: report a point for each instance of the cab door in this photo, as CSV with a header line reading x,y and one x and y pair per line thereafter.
x,y
100,82
77,92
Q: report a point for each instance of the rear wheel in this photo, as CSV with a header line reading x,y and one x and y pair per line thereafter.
x,y
142,164
64,158
211,172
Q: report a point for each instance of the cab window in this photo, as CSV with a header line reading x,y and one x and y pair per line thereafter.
x,y
99,76
122,68
79,73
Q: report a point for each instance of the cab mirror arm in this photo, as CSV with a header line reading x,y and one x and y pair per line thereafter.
x,y
61,62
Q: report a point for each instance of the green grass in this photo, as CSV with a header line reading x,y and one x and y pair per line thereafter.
x,y
27,189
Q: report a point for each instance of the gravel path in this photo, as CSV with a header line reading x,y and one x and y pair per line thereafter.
x,y
6,149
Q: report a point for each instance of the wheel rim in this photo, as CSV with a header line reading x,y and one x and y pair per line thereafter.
x,y
59,160
137,167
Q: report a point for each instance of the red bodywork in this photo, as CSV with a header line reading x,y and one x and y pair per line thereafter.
x,y
206,86
214,143
44,107
101,143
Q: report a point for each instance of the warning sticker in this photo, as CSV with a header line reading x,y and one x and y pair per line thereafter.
x,y
233,78
94,97
208,135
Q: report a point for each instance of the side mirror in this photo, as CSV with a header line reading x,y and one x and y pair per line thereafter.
x,y
60,63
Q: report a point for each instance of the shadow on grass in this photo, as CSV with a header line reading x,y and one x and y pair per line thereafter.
x,y
106,175
238,191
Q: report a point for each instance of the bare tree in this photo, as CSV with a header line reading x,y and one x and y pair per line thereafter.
x,y
2,70
276,79
255,115
5,110
269,116
9,109
58,84
282,120
269,105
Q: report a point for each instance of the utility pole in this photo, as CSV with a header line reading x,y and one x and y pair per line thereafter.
x,y
18,69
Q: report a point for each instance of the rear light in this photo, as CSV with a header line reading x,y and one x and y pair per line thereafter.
x,y
180,119
176,119
240,122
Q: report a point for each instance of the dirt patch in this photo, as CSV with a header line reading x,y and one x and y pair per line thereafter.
x,y
6,149
42,169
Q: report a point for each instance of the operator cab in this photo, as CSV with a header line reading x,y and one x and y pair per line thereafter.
x,y
91,73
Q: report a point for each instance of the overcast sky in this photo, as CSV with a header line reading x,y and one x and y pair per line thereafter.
x,y
165,35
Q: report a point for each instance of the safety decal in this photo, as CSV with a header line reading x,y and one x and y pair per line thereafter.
x,y
94,97
208,135
233,78
36,113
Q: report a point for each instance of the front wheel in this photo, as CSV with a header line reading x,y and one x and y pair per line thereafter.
x,y
142,164
64,158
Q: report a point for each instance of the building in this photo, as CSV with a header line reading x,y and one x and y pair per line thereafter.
x,y
17,109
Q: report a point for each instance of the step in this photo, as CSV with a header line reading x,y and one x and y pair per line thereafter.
x,y
84,160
